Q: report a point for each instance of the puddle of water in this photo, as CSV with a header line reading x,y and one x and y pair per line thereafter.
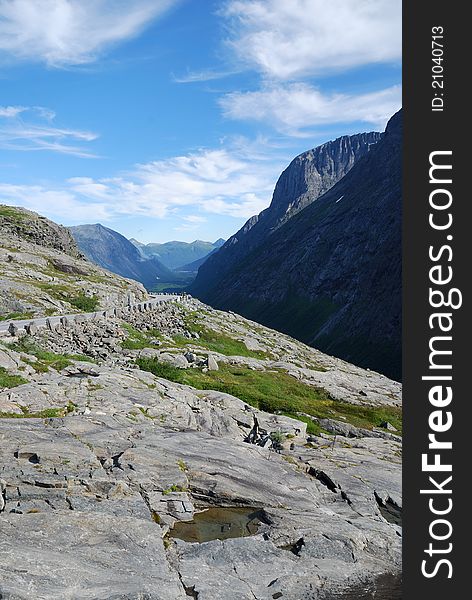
x,y
219,523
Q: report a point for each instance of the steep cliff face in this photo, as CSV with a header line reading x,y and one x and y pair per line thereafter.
x,y
111,250
307,177
330,275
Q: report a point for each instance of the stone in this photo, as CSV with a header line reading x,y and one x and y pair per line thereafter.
x,y
31,328
129,455
212,364
3,488
191,357
128,562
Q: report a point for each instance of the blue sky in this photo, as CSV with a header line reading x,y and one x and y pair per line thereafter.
x,y
172,119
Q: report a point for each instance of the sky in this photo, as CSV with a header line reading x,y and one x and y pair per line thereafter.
x,y
172,119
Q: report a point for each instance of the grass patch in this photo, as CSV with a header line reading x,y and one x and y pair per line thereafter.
x,y
12,214
215,341
16,316
276,392
174,488
49,413
160,369
312,428
65,293
10,381
84,302
46,359
138,340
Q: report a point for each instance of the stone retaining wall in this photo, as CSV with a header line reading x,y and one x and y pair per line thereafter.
x,y
64,321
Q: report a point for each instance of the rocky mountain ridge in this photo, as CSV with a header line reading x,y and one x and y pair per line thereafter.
x,y
330,275
176,254
307,177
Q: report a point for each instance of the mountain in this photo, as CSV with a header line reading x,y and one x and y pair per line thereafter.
x,y
113,251
130,434
43,272
328,273
176,254
192,268
307,177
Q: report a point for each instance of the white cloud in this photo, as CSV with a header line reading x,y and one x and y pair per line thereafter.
x,y
291,39
199,76
211,181
214,181
10,112
59,204
194,219
296,108
32,134
72,32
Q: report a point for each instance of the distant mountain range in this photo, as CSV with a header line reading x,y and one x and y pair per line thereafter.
x,y
323,262
129,258
176,254
111,250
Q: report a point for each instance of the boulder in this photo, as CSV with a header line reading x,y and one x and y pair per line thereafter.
x,y
31,328
212,364
12,329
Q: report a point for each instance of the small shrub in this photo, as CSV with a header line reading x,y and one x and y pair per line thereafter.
x,y
160,369
84,302
174,488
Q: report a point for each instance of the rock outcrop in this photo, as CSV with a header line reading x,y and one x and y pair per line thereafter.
x,y
328,273
42,271
104,463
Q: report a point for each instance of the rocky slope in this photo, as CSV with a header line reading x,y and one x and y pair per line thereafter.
x,y
152,472
331,274
42,271
111,250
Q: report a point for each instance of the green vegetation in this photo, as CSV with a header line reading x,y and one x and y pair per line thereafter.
x,y
10,381
172,286
276,392
67,293
84,302
46,359
311,427
48,413
70,407
12,214
174,488
137,340
16,316
160,369
214,341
